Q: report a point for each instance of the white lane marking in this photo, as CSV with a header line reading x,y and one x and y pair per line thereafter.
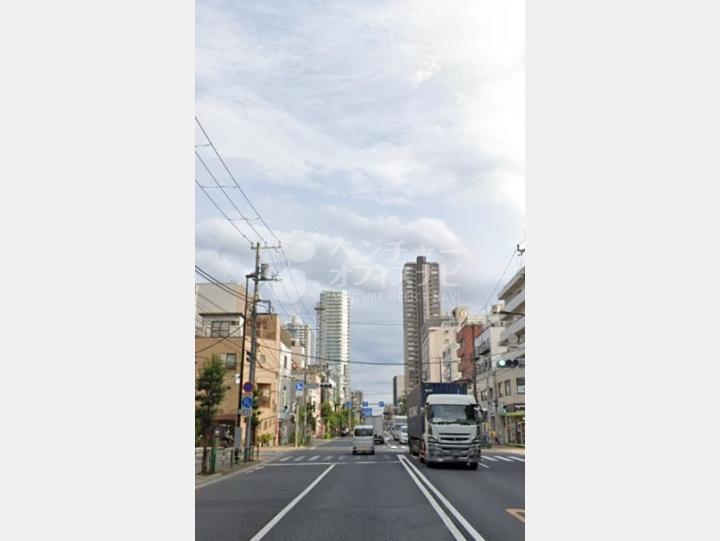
x,y
298,459
367,462
461,519
443,516
302,464
489,458
518,458
503,458
393,447
314,458
265,529
286,458
341,457
484,465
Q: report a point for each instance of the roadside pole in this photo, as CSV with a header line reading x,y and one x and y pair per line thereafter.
x,y
253,351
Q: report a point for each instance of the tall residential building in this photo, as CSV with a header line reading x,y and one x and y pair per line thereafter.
x,y
334,338
398,389
301,335
421,301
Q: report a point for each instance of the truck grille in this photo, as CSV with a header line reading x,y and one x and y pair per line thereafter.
x,y
454,437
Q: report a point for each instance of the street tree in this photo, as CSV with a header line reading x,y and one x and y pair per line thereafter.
x,y
210,391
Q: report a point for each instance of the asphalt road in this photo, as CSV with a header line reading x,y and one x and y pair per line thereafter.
x,y
327,493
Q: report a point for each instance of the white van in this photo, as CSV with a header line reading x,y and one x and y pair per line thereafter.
x,y
403,434
363,439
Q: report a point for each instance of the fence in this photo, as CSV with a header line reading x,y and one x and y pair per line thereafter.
x,y
223,458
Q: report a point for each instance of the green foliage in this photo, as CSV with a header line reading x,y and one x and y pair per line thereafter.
x,y
209,393
264,439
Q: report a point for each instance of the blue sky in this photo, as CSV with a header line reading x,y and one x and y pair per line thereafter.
x,y
365,133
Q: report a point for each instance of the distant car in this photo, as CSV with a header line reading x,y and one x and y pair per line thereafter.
x,y
363,440
403,434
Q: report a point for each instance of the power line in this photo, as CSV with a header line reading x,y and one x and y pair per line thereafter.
x,y
492,292
212,145
228,197
222,212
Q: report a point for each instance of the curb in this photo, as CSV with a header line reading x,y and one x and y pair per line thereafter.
x,y
217,477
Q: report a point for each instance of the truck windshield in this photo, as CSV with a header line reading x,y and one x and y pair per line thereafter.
x,y
453,414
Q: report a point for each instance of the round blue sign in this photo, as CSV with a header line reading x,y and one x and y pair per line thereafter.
x,y
247,387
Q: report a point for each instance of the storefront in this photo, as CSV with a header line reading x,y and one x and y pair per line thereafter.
x,y
515,427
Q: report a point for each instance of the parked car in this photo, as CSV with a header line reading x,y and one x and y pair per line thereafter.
x,y
363,440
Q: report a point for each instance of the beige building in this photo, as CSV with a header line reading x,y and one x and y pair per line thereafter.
x,y
436,335
219,331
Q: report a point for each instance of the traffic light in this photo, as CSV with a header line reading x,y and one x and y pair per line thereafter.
x,y
505,363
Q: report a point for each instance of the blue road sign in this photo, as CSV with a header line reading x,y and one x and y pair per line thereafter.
x,y
365,404
247,402
381,404
348,405
367,412
299,386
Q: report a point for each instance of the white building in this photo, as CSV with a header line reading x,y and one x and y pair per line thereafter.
x,y
334,338
301,334
500,351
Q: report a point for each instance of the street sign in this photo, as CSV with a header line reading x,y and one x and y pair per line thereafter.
x,y
299,386
381,404
247,402
365,404
246,412
348,405
367,412
247,387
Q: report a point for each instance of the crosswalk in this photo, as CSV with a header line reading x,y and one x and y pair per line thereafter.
x,y
385,457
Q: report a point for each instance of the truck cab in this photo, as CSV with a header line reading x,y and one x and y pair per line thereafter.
x,y
451,430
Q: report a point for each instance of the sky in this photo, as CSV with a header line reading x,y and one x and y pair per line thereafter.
x,y
363,134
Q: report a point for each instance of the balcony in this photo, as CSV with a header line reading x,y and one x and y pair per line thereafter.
x,y
518,301
517,327
482,342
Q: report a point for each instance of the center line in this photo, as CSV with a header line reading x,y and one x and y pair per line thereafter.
x,y
288,507
461,519
443,516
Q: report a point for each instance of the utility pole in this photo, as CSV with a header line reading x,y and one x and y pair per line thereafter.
x,y
238,422
260,275
253,350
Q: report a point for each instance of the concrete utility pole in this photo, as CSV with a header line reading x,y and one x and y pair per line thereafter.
x,y
253,350
260,275
238,422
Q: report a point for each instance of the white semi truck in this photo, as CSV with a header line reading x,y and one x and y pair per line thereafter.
x,y
444,424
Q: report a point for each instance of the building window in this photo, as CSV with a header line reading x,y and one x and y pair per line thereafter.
x,y
490,393
520,382
500,388
508,392
219,329
285,362
230,360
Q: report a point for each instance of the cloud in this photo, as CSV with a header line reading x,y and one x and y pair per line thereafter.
x,y
393,104
356,125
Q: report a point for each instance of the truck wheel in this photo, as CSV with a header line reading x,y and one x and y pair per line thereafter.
x,y
473,465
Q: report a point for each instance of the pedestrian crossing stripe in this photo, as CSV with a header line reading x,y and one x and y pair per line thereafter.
x,y
298,459
284,459
503,458
489,458
314,458
518,458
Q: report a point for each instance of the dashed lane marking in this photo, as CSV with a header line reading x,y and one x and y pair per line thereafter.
x,y
286,458
518,458
314,458
298,459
